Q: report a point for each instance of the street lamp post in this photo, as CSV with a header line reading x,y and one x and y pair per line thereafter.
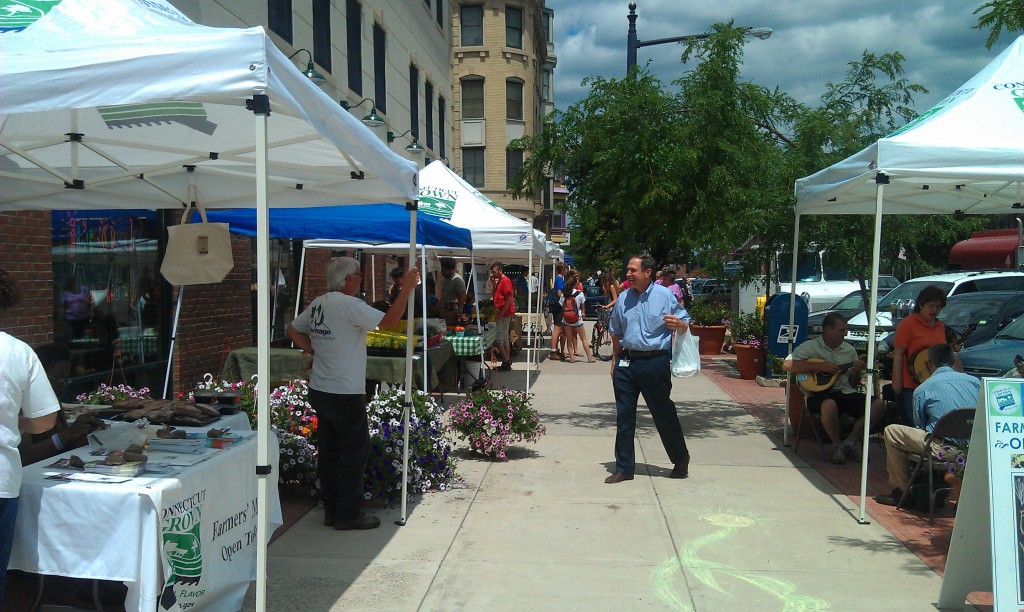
x,y
633,43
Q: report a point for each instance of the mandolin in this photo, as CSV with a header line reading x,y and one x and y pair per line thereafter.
x,y
816,382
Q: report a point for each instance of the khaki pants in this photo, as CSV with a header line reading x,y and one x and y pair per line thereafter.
x,y
900,441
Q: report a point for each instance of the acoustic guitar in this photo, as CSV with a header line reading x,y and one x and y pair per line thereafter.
x,y
921,369
817,382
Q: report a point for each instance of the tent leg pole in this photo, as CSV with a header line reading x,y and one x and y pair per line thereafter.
x,y
408,372
792,316
880,181
174,335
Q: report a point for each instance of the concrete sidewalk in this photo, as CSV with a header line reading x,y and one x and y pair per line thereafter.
x,y
753,528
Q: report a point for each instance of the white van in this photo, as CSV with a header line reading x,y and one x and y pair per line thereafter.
x,y
903,297
820,283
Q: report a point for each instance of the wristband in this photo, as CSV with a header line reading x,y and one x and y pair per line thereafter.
x,y
56,442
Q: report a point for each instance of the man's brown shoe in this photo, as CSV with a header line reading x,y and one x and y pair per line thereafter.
x,y
618,477
681,470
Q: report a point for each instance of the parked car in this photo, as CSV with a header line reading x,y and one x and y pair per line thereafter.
x,y
979,316
595,298
902,298
995,357
850,305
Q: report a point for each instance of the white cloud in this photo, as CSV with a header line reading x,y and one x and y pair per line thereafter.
x,y
812,43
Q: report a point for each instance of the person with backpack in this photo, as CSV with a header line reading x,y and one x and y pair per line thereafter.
x,y
572,318
554,304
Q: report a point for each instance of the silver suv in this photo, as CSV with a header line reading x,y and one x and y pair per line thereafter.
x,y
902,299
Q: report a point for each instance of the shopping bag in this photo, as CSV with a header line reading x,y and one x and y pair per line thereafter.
x,y
197,253
685,355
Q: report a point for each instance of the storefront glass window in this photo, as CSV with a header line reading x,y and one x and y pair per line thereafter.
x,y
108,307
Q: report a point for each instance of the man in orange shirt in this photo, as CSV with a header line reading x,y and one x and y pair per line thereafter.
x,y
504,308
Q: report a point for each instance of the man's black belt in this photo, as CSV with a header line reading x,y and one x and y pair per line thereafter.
x,y
631,354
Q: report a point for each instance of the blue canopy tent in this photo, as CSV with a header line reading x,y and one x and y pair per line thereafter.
x,y
368,223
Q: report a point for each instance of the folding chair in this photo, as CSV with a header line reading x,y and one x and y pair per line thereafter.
x,y
805,412
957,425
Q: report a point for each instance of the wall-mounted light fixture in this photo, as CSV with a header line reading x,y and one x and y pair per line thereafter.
x,y
310,72
372,120
414,148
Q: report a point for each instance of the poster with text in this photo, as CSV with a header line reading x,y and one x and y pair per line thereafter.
x,y
1006,486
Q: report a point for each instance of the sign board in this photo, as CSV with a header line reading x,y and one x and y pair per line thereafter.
x,y
1006,484
986,551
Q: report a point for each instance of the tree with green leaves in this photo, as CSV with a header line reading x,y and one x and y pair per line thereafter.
x,y
1001,15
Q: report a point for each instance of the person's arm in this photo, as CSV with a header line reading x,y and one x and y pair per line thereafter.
x,y
299,339
804,366
397,309
899,357
919,411
40,424
63,438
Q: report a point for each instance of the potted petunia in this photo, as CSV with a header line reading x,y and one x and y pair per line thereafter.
x,y
708,321
748,342
489,421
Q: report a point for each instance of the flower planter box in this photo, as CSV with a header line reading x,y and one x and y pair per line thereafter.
x,y
711,338
749,360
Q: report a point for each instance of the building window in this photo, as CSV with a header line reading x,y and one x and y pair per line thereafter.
x,y
513,162
353,34
473,166
380,82
414,99
428,112
514,100
546,19
440,13
279,18
514,27
473,98
545,86
322,33
441,106
471,20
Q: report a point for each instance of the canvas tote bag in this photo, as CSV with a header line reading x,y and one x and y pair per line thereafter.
x,y
197,253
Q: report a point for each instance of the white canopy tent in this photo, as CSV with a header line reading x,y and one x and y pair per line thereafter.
x,y
496,233
127,103
965,155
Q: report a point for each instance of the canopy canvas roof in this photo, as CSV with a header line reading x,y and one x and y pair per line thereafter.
x,y
496,233
965,154
112,104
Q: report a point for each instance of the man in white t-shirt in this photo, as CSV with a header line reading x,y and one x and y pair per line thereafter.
x,y
333,329
25,396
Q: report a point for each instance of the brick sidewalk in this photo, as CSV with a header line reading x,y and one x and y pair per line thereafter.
x,y
766,404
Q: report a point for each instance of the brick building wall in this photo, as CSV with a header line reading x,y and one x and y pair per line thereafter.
x,y
215,319
26,252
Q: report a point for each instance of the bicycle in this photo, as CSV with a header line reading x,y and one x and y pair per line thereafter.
x,y
600,338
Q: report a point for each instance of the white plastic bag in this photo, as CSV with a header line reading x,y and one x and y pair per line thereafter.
x,y
685,356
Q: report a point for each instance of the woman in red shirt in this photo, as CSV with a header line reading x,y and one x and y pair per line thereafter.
x,y
916,333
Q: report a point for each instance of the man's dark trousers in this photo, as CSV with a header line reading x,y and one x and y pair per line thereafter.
x,y
652,378
343,441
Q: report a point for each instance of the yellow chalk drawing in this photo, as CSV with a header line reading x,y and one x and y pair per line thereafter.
x,y
665,573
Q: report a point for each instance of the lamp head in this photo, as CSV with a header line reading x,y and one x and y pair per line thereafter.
x,y
310,72
373,120
762,33
414,148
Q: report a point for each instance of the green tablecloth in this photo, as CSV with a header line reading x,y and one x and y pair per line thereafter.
x,y
466,346
286,364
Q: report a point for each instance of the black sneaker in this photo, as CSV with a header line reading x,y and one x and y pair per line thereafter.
x,y
363,521
891,499
505,366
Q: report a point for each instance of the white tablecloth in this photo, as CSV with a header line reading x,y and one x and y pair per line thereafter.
x,y
197,528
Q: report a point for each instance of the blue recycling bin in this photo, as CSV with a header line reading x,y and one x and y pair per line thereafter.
x,y
778,323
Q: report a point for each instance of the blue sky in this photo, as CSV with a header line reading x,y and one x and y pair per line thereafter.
x,y
812,43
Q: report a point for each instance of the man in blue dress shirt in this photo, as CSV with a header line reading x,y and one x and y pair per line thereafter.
x,y
641,326
944,391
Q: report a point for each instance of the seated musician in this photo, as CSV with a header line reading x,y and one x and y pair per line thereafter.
x,y
834,364
944,391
